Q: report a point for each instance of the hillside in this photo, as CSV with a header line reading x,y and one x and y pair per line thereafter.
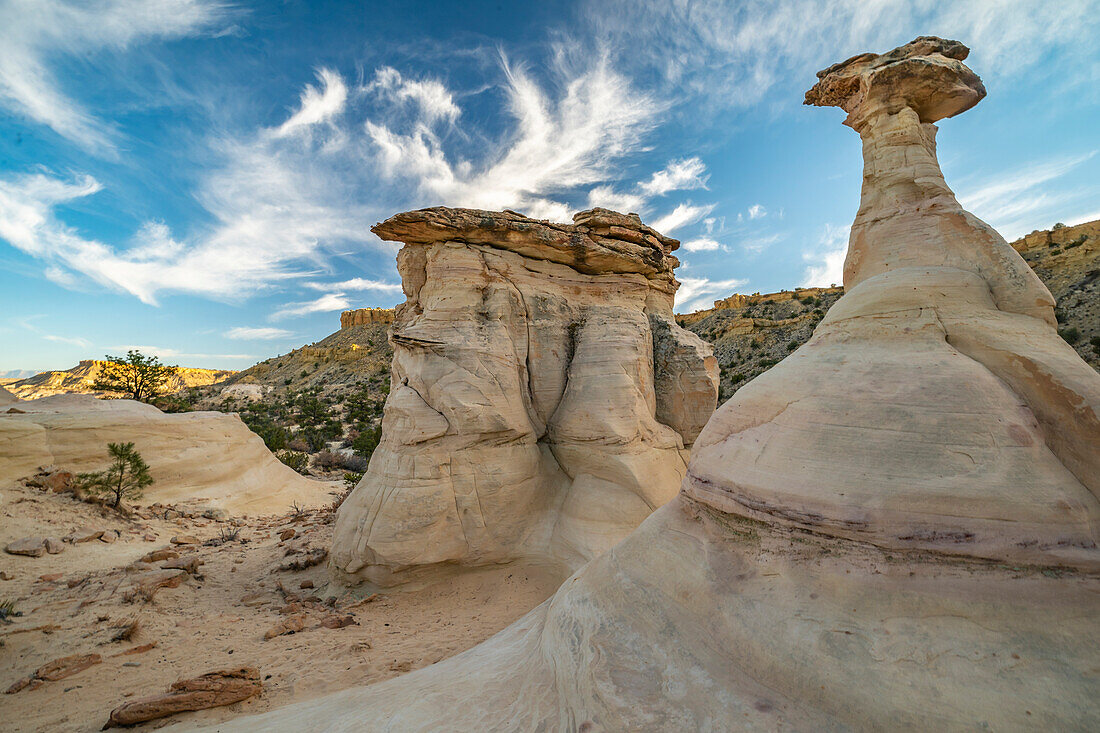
x,y
359,353
79,380
751,333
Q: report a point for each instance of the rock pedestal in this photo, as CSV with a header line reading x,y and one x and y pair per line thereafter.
x,y
894,528
542,400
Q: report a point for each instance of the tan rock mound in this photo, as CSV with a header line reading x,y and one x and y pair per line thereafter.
x,y
893,529
7,398
542,400
82,378
193,455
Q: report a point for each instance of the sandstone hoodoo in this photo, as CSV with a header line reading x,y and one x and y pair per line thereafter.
x,y
893,528
542,399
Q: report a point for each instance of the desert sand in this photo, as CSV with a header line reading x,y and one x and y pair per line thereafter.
x,y
74,603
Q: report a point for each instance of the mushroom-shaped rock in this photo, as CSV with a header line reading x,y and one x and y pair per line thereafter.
x,y
895,528
543,397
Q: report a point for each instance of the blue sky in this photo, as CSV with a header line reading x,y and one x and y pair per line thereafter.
x,y
198,178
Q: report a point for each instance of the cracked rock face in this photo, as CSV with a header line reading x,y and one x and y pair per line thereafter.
x,y
894,528
542,400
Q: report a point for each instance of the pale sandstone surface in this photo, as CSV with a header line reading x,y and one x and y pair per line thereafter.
x,y
192,455
215,616
7,398
895,528
542,399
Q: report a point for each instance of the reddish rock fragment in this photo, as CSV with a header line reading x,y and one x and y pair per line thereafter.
x,y
210,690
64,667
289,625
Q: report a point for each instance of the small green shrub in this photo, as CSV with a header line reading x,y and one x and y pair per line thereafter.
x,y
125,478
1070,335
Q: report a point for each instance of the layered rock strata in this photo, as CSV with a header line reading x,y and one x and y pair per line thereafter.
x,y
365,317
542,396
894,528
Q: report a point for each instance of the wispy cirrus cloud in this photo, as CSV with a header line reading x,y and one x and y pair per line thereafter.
x,y
729,53
358,283
1014,201
34,34
257,333
684,214
325,304
696,293
826,259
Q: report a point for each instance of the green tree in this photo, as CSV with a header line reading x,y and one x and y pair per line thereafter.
x,y
125,478
136,376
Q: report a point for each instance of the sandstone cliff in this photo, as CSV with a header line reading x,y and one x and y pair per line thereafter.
x,y
79,380
542,395
894,528
1067,259
366,317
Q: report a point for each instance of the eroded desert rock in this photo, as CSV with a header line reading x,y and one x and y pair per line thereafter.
x,y
542,400
894,528
193,454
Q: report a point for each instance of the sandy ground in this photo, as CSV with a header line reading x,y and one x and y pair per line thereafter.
x,y
75,603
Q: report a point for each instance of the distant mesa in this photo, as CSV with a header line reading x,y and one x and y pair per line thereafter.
x,y
365,317
81,378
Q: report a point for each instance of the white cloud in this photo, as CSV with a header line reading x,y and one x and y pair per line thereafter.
x,y
756,211
435,101
35,34
327,302
701,244
557,144
317,105
74,341
827,260
695,293
714,54
682,215
358,283
246,333
678,175
165,354
756,245
1010,202
608,198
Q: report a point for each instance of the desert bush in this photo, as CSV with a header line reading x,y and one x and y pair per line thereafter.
x,y
275,436
125,478
134,376
365,443
328,460
298,461
352,479
1070,335
7,608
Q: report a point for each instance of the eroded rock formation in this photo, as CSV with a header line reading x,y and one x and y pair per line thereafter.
x,y
365,317
894,528
542,395
193,455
